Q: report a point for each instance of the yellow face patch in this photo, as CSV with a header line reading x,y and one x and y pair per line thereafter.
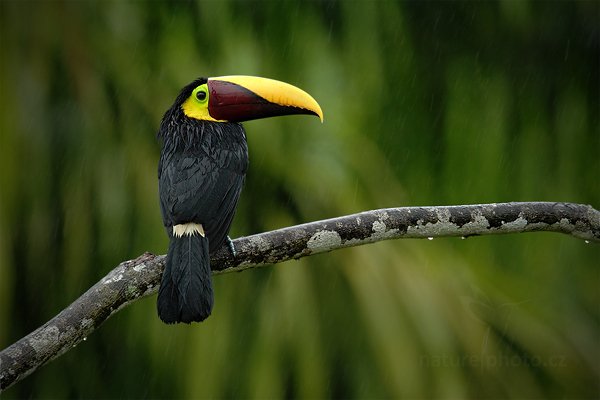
x,y
196,106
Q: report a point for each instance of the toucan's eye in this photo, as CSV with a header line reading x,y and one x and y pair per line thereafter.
x,y
201,95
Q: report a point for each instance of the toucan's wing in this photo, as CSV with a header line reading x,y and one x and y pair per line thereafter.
x,y
203,188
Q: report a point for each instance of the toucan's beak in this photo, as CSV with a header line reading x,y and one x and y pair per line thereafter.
x,y
240,98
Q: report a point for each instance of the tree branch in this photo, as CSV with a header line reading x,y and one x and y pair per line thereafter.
x,y
137,278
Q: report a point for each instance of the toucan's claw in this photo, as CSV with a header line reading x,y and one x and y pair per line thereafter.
x,y
231,247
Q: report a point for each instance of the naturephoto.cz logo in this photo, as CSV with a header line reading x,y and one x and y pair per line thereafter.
x,y
490,361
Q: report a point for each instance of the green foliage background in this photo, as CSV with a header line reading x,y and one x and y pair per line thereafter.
x,y
426,103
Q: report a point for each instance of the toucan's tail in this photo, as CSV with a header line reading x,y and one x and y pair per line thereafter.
x,y
186,293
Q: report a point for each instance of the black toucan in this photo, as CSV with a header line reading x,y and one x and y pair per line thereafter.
x,y
203,163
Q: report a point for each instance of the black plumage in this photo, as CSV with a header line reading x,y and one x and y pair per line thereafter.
x,y
201,174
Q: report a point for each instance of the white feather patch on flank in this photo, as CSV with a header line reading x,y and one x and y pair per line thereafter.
x,y
188,229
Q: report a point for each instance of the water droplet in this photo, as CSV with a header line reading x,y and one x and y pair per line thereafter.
x,y
587,242
463,238
430,238
84,339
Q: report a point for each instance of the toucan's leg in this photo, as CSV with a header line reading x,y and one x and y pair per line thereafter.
x,y
231,247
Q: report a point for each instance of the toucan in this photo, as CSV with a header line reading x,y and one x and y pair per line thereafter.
x,y
201,172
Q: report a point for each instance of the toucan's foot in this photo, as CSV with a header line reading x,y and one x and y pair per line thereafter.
x,y
231,247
